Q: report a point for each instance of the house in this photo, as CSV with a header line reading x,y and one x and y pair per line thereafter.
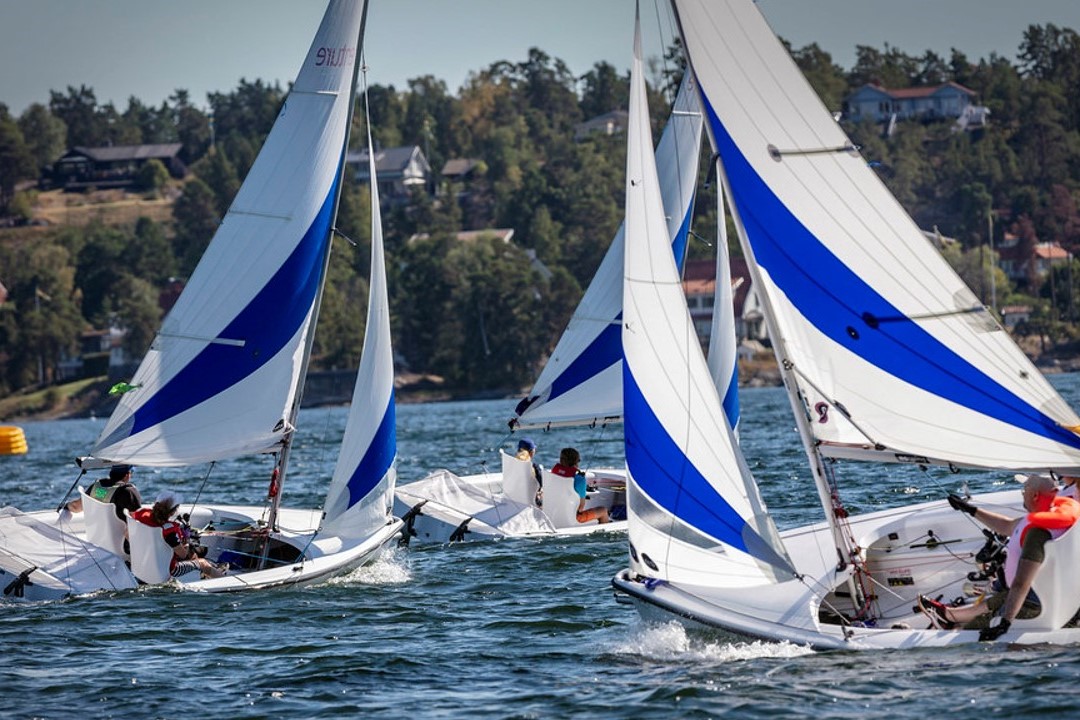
x,y
100,353
400,171
1013,315
1035,264
113,166
612,123
933,102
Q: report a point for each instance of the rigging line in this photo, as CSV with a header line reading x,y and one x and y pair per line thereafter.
x,y
198,493
833,402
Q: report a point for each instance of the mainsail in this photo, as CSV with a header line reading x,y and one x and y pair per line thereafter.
x,y
893,356
581,382
695,512
221,378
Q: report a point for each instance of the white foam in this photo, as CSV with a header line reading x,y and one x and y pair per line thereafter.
x,y
392,568
670,641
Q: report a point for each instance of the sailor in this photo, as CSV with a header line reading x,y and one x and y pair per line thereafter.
x,y
117,489
567,467
186,555
1024,556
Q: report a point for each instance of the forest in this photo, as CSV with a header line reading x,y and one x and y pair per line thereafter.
x,y
480,314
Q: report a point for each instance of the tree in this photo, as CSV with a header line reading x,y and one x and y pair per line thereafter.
x,y
16,161
136,312
220,176
152,176
44,133
78,110
197,219
825,76
603,90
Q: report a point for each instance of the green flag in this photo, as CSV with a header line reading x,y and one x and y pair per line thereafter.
x,y
122,387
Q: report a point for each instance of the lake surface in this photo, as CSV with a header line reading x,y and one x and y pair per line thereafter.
x,y
509,629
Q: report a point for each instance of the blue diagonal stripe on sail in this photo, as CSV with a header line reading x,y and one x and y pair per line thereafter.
x,y
731,399
606,348
378,458
807,272
604,351
265,325
662,470
679,242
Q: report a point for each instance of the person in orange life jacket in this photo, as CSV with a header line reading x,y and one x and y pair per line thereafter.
x,y
177,536
116,489
1024,556
567,467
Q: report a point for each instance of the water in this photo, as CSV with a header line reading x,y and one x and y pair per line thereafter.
x,y
510,629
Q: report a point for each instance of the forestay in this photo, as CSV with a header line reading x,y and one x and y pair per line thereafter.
x,y
695,511
894,357
581,382
222,374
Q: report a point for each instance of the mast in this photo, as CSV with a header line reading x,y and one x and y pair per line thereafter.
x,y
283,459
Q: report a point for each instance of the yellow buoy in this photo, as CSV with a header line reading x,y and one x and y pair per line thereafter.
x,y
12,440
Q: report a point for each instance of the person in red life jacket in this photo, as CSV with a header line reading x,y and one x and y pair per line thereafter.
x,y
177,536
116,489
567,467
1025,553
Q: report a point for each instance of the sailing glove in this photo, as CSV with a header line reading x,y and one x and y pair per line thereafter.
x,y
998,627
959,503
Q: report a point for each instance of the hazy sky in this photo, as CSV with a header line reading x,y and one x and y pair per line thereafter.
x,y
149,48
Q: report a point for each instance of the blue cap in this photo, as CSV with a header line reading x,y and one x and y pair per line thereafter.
x,y
526,444
118,472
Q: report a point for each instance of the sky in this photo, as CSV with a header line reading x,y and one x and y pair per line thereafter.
x,y
149,48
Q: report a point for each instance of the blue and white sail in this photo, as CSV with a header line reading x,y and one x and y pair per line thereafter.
x,y
695,513
894,357
221,378
581,382
362,490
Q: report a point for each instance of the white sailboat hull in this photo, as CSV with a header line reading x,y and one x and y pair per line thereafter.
x,y
299,556
926,549
450,508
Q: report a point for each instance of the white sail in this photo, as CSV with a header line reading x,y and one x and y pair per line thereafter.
x,y
723,354
695,514
222,373
895,358
362,489
581,382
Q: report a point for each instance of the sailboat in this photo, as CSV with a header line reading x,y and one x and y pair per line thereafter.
x,y
580,385
224,375
886,356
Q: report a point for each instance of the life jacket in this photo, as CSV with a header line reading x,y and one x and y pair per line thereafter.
x,y
1062,514
1057,520
104,493
564,471
145,516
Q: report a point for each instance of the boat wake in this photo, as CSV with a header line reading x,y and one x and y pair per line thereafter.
x,y
670,641
390,569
